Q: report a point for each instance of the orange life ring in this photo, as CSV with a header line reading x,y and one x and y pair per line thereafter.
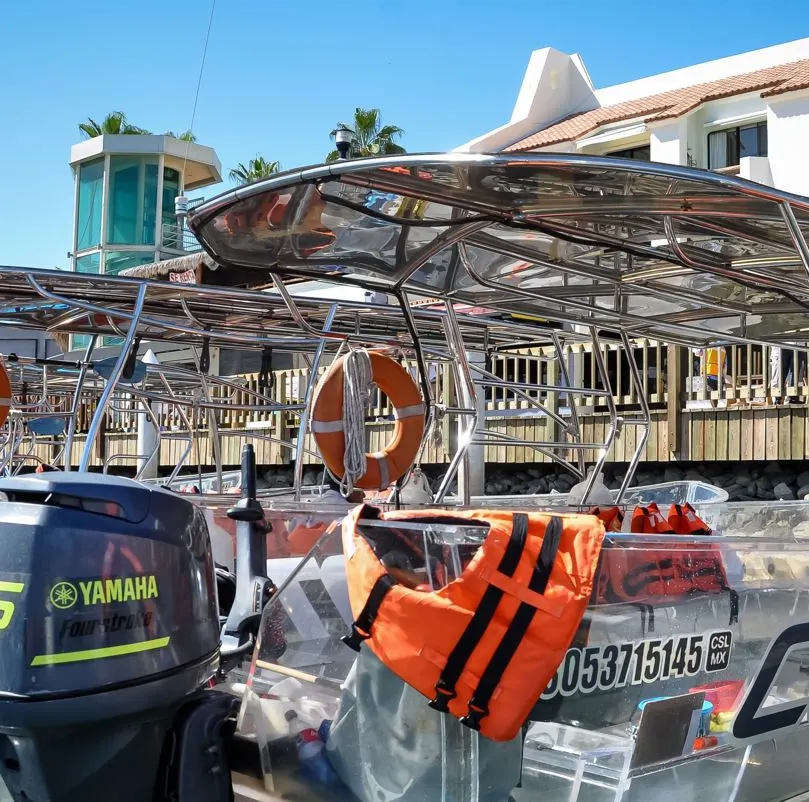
x,y
5,394
385,467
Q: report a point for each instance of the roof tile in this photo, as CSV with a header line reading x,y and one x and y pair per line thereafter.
x,y
674,103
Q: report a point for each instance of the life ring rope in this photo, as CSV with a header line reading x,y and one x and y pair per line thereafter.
x,y
358,378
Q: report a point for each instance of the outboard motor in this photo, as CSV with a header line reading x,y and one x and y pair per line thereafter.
x,y
109,631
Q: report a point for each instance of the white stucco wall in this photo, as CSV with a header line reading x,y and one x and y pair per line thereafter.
x,y
555,85
788,141
668,141
756,168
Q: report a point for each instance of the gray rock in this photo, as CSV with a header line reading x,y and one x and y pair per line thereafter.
x,y
803,491
783,492
802,479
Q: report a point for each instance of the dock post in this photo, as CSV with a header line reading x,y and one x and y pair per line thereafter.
x,y
148,436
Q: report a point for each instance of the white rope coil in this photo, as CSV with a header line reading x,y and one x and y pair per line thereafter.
x,y
357,386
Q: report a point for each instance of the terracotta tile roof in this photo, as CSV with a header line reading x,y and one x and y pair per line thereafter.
x,y
674,103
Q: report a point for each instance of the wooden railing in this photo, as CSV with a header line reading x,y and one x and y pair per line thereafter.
x,y
746,381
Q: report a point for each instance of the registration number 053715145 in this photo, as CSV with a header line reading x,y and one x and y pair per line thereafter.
x,y
610,666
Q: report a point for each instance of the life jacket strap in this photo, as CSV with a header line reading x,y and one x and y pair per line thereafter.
x,y
482,617
507,648
734,605
361,628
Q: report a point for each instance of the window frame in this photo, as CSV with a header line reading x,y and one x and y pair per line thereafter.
x,y
761,137
622,153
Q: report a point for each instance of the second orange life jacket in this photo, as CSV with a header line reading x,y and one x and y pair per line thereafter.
x,y
484,646
647,573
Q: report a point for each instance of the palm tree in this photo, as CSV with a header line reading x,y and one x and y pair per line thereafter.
x,y
114,123
369,137
255,170
186,136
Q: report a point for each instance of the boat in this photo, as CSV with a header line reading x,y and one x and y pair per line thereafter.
x,y
692,687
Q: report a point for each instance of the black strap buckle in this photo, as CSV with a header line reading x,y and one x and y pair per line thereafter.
x,y
444,695
474,716
355,638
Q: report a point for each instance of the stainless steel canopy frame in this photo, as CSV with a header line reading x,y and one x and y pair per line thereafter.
x,y
669,252
483,255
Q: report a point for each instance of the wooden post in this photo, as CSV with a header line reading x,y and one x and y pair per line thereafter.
x,y
674,392
552,402
449,429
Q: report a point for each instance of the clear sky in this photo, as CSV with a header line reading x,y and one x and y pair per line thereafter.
x,y
280,74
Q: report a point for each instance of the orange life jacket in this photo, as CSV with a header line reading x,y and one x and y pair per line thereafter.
x,y
304,536
611,517
667,571
484,646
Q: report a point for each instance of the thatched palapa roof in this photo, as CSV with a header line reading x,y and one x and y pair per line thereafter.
x,y
158,270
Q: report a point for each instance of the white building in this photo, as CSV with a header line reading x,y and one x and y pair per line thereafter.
x,y
747,115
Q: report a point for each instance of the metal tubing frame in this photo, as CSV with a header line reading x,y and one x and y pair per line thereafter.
x,y
424,377
645,423
573,429
112,381
213,423
74,409
157,323
465,383
181,412
617,319
303,424
615,420
541,448
795,232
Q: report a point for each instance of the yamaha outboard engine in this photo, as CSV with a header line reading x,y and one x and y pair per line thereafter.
x,y
109,628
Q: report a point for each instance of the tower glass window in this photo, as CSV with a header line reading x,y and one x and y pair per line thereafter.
x,y
171,189
116,261
133,200
89,263
91,191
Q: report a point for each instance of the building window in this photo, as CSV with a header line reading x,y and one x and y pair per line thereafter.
x,y
91,189
89,263
116,261
728,146
641,153
79,341
171,189
133,200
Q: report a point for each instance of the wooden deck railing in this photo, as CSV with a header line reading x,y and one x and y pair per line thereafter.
x,y
742,418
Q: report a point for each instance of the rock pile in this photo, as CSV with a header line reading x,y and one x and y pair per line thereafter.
x,y
751,481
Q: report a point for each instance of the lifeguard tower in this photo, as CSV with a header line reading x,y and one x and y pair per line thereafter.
x,y
126,187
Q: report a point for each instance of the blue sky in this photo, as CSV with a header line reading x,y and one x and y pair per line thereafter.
x,y
279,75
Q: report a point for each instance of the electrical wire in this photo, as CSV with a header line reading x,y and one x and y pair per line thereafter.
x,y
199,82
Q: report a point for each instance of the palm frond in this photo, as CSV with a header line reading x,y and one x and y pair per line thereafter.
x,y
368,136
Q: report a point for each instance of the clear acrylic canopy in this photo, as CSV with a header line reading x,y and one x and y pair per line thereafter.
x,y
660,250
